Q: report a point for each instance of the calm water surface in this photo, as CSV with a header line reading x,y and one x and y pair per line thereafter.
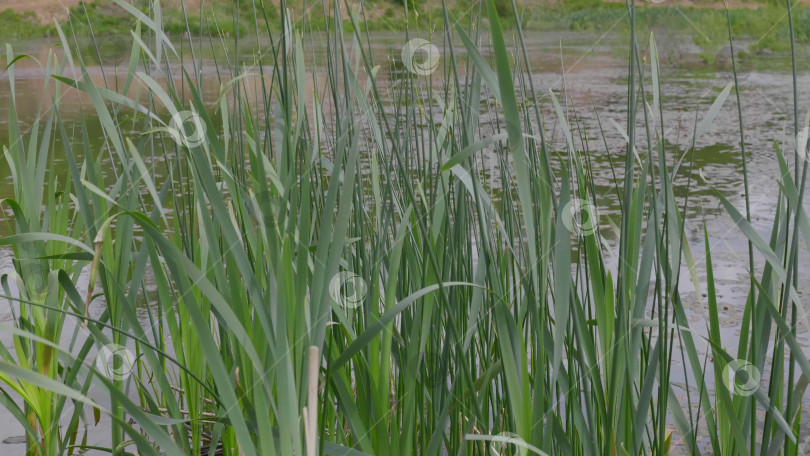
x,y
588,73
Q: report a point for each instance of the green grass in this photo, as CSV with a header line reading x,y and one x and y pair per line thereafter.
x,y
707,26
328,272
766,26
20,26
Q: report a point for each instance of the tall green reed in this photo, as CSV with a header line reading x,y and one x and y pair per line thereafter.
x,y
330,271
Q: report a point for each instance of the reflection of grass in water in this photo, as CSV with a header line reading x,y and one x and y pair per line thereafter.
x,y
538,329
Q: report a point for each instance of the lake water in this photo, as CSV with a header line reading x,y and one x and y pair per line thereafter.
x,y
588,73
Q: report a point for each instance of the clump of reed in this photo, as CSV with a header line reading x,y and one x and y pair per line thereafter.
x,y
327,269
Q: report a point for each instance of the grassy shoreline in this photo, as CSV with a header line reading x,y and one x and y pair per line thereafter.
x,y
707,25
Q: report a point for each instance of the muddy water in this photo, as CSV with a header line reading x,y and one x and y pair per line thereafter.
x,y
589,75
